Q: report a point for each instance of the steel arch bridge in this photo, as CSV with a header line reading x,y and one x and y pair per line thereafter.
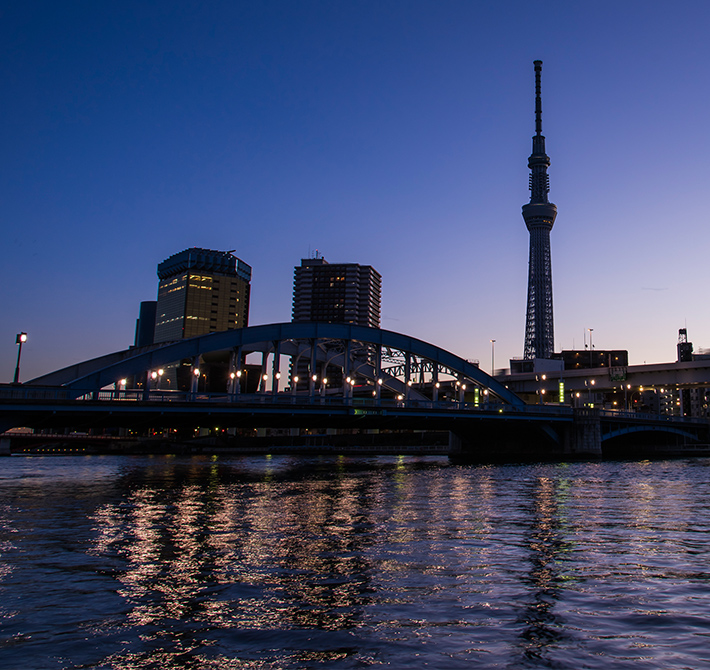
x,y
385,360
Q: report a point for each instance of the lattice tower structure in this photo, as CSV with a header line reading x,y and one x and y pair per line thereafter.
x,y
539,215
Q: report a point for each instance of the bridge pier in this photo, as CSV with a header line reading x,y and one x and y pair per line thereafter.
x,y
584,438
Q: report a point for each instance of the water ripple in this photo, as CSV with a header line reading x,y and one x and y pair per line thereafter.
x,y
338,562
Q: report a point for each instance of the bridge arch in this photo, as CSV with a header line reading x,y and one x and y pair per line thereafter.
x,y
390,361
628,430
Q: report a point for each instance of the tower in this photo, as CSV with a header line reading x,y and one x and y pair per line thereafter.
x,y
539,215
201,291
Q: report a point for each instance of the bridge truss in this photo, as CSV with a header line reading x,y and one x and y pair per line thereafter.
x,y
340,360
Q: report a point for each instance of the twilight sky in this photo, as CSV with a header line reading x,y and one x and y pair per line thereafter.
x,y
386,132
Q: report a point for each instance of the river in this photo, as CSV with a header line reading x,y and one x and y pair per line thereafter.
x,y
341,562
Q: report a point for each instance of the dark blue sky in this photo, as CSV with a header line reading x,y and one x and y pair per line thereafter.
x,y
387,133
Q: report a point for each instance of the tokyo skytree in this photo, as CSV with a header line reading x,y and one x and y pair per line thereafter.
x,y
539,215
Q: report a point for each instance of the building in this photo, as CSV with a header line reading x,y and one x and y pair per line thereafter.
x,y
334,293
201,291
539,215
585,359
145,324
617,360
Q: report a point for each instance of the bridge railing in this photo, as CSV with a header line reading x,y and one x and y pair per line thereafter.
x,y
58,393
648,416
21,392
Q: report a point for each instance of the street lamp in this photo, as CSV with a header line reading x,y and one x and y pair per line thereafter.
x,y
540,390
19,340
591,347
493,358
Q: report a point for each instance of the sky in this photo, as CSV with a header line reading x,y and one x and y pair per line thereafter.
x,y
388,133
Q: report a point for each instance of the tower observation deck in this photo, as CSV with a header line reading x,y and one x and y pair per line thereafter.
x,y
539,215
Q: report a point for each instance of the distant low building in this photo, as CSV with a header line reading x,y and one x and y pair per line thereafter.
x,y
579,359
572,359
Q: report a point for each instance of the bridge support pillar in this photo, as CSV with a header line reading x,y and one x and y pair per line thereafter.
x,y
456,444
585,436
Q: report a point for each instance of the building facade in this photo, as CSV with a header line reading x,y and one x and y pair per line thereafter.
x,y
333,293
336,293
145,324
201,291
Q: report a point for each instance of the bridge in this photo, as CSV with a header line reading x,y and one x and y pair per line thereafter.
x,y
357,379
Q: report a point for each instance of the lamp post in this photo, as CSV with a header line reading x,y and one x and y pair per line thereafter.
x,y
493,358
19,340
591,347
540,390
195,384
157,376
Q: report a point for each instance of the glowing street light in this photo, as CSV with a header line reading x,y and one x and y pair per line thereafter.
x,y
19,340
156,376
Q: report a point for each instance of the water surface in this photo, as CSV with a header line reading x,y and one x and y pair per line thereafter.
x,y
333,562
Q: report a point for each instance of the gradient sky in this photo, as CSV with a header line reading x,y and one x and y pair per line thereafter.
x,y
387,133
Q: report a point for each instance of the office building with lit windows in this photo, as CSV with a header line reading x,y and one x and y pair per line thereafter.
x,y
201,291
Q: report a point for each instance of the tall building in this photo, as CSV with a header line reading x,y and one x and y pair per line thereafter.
x,y
145,324
201,291
336,293
539,215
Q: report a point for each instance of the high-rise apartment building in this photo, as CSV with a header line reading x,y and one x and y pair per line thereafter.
x,y
336,293
201,291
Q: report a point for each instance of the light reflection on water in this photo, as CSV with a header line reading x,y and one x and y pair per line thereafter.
x,y
288,562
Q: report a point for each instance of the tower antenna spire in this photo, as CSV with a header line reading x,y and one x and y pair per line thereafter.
x,y
538,97
539,215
